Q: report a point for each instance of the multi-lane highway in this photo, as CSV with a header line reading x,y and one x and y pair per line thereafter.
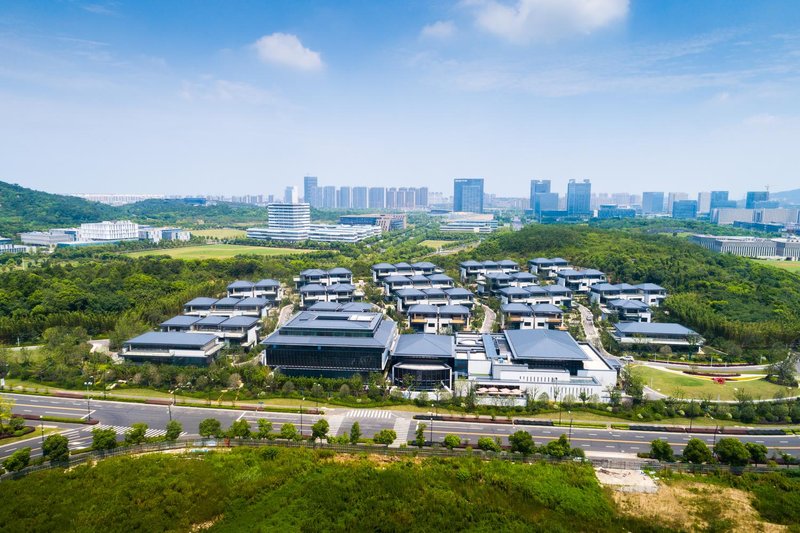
x,y
121,415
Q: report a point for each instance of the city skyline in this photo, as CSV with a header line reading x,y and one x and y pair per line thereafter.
x,y
153,100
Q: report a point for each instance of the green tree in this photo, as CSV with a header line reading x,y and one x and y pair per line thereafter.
x,y
136,435
758,452
732,452
452,441
104,439
210,427
419,434
488,444
784,372
559,448
661,450
522,442
289,431
385,436
239,429
264,428
18,460
697,452
174,430
355,433
56,448
320,429
6,408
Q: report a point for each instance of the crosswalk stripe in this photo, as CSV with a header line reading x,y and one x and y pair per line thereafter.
x,y
121,430
369,413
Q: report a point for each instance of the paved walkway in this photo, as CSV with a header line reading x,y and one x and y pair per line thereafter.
x,y
488,319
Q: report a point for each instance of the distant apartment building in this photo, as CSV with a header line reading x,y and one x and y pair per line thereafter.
x,y
329,197
468,195
360,198
652,203
684,209
673,197
377,198
343,200
118,230
579,198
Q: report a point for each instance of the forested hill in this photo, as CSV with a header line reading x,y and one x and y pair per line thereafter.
x,y
725,298
24,209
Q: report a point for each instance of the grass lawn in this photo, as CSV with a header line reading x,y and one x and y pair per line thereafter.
x,y
35,434
692,387
218,251
791,266
434,244
221,233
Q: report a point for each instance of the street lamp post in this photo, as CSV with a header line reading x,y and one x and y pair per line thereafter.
x,y
88,383
41,426
430,432
570,427
301,416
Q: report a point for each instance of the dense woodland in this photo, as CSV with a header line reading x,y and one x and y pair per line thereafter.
x,y
725,298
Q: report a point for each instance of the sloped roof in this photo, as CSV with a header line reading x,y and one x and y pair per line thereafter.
x,y
544,344
424,345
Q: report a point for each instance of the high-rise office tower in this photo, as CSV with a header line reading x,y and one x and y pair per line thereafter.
x,y
329,197
652,203
290,196
720,200
343,201
538,187
753,197
310,184
674,197
468,195
377,198
422,197
684,209
579,197
360,198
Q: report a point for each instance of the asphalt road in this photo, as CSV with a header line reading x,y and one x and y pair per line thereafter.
x,y
121,415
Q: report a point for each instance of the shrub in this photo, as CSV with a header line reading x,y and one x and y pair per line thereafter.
x,y
18,460
210,427
488,444
56,448
104,439
355,433
452,441
385,436
732,452
264,428
662,451
697,452
174,430
522,442
289,431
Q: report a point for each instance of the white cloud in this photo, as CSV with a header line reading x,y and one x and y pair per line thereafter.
x,y
544,20
286,50
443,29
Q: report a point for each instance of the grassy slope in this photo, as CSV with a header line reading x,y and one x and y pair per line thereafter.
x,y
692,387
299,490
790,266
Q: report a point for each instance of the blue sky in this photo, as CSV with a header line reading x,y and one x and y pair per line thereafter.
x,y
235,97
